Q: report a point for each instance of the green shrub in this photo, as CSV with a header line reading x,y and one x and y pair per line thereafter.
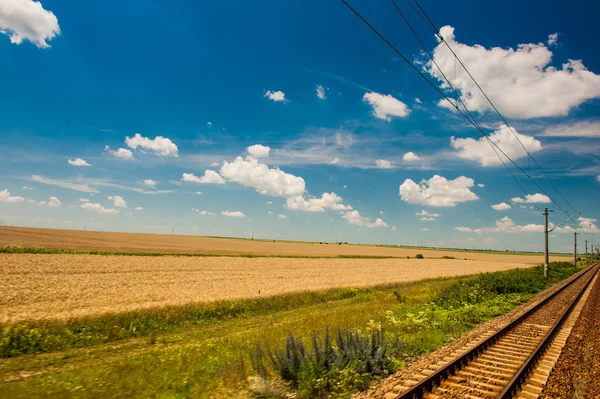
x,y
448,257
324,368
518,281
419,256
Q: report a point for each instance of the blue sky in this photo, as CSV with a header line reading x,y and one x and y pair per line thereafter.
x,y
161,99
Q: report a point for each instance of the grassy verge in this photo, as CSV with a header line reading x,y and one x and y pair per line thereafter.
x,y
176,353
421,328
49,336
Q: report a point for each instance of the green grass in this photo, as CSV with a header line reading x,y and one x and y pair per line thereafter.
x,y
49,336
205,351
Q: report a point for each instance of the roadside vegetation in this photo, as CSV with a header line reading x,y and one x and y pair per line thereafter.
x,y
320,344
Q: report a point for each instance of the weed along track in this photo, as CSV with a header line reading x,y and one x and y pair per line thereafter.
x,y
513,361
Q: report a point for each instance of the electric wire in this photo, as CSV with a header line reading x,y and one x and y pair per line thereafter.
x,y
430,23
474,123
472,119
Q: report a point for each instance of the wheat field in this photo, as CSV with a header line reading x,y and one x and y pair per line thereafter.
x,y
37,287
166,243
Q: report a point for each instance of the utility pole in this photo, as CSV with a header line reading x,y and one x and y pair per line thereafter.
x,y
545,242
575,249
586,251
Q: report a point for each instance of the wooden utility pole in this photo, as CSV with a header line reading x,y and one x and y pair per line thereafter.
x,y
586,251
545,242
575,249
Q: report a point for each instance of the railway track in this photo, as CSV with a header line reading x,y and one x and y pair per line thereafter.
x,y
499,365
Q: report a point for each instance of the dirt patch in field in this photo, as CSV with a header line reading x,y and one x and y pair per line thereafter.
x,y
66,286
137,242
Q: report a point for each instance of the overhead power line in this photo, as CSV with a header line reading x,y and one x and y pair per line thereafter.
x,y
473,122
421,12
423,15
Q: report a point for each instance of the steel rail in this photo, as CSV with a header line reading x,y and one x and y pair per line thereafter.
x,y
435,379
521,376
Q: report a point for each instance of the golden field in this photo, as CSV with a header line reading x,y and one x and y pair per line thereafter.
x,y
67,286
62,286
138,242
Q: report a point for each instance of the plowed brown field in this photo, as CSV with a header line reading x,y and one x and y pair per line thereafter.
x,y
136,242
65,286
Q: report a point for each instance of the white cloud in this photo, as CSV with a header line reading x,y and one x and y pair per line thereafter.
x,y
54,202
259,151
199,192
394,228
236,214
281,216
381,212
275,95
386,106
590,129
29,201
251,173
507,225
270,212
587,225
28,20
552,39
521,82
139,208
321,92
418,101
463,229
425,229
41,203
532,199
269,202
6,197
501,206
209,123
215,164
149,183
64,184
210,177
598,178
160,145
335,161
78,162
84,200
109,183
314,204
121,153
118,201
90,206
354,217
426,216
482,151
383,164
480,185
438,191
410,157
27,188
